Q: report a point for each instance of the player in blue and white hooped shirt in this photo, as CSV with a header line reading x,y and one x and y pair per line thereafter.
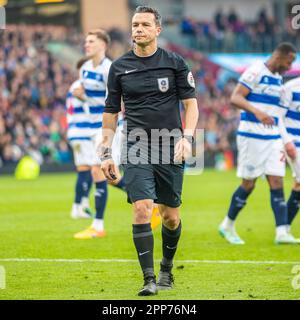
x,y
93,78
80,141
292,123
262,139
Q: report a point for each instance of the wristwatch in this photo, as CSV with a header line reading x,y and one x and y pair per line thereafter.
x,y
106,153
189,138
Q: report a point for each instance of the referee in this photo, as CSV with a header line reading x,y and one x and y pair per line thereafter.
x,y
151,82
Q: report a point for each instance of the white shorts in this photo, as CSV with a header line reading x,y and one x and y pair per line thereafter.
x,y
295,166
85,151
260,157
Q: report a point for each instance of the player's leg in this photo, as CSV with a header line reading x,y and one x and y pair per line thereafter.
x,y
169,181
171,231
140,186
250,165
96,230
83,182
144,244
279,208
101,194
155,215
275,171
293,204
238,201
294,198
86,188
82,189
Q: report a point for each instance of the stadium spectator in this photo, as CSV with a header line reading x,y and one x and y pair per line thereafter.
x,y
33,88
230,33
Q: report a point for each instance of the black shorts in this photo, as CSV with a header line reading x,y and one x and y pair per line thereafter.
x,y
160,182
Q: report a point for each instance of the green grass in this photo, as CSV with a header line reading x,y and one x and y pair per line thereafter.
x,y
35,223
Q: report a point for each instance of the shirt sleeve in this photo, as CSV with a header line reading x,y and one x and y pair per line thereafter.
x,y
286,97
250,77
285,100
286,137
81,75
114,92
185,82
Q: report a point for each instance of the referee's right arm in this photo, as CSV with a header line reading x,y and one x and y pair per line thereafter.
x,y
109,123
112,108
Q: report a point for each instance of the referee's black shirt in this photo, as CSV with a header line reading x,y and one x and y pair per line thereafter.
x,y
151,88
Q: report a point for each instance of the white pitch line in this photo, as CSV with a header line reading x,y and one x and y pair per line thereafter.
x,y
136,261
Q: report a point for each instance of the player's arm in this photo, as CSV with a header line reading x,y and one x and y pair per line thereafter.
x,y
79,92
109,124
238,99
183,148
185,84
287,139
289,145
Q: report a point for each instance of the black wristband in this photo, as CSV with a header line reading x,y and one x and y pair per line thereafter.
x,y
189,138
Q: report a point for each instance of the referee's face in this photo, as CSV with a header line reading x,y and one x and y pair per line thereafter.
x,y
144,28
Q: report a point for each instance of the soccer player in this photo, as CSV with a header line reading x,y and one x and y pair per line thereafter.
x,y
292,123
151,82
262,139
80,141
93,78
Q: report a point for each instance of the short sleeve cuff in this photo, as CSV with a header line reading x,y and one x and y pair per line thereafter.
x,y
245,85
112,110
187,96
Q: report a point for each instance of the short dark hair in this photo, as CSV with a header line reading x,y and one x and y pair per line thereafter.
x,y
285,48
146,9
100,34
81,62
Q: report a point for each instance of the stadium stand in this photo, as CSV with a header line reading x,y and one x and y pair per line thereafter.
x,y
34,83
228,33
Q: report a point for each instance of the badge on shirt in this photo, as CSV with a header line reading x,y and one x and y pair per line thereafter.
x,y
163,84
191,80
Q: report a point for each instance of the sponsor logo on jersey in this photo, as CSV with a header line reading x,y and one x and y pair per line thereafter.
x,y
191,80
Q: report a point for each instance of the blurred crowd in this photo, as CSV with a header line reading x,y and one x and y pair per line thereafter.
x,y
217,117
228,32
33,87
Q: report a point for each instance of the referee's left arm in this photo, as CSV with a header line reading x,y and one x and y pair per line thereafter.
x,y
185,84
191,116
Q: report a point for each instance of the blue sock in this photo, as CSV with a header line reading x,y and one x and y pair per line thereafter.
x,y
279,207
121,185
87,184
100,198
238,201
293,205
83,178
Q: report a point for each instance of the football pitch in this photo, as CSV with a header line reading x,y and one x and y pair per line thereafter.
x,y
42,260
